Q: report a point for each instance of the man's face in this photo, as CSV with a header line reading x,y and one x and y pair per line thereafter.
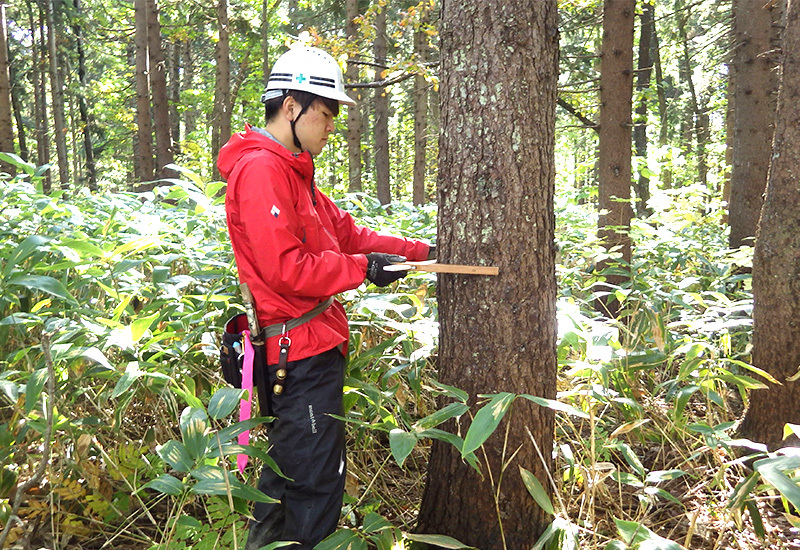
x,y
314,127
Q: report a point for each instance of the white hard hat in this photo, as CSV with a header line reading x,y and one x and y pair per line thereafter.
x,y
310,70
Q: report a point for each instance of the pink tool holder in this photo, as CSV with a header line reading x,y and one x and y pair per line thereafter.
x,y
246,405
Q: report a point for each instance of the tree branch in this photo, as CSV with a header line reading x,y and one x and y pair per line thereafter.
x,y
577,114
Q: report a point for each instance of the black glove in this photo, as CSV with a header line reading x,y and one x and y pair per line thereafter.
x,y
375,264
432,252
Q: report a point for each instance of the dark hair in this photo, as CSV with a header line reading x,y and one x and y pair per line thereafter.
x,y
305,99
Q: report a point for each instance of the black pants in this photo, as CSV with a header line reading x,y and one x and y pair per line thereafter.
x,y
308,446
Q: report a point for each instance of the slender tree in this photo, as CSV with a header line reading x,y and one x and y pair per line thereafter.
x,y
6,126
175,49
614,155
77,29
381,130
144,136
221,117
57,92
355,125
754,86
158,91
40,90
776,270
499,64
643,73
420,113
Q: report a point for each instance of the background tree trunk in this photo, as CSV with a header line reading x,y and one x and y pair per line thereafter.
x,y
17,90
6,126
143,146
381,130
420,115
175,50
158,90
40,93
614,156
91,172
221,118
355,125
190,114
776,263
643,73
57,91
754,92
495,188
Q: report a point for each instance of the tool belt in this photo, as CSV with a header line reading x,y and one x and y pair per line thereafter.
x,y
231,353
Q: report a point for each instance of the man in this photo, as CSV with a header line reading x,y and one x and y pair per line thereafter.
x,y
295,249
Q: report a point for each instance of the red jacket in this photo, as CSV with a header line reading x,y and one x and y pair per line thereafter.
x,y
291,252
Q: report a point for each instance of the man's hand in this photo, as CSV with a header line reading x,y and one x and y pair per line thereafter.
x,y
375,264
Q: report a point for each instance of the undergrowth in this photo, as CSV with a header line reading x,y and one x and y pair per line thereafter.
x,y
127,293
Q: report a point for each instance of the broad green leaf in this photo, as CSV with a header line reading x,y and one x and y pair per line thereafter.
x,y
43,283
374,522
224,401
401,444
34,387
229,432
556,405
237,489
634,534
141,325
486,421
194,422
772,475
174,453
537,491
165,483
94,354
343,539
442,541
453,410
126,381
17,161
23,251
85,248
657,476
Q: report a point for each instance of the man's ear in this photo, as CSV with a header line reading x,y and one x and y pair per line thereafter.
x,y
289,106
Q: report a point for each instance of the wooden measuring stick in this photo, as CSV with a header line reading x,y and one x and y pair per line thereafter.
x,y
433,267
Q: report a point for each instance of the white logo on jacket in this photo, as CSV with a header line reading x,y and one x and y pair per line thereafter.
x,y
275,211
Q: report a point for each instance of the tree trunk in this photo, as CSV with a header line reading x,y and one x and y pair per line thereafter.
x,y
381,131
17,88
221,118
40,94
57,91
614,155
6,125
175,93
144,135
643,73
755,85
495,190
420,115
190,114
91,172
158,90
355,125
776,262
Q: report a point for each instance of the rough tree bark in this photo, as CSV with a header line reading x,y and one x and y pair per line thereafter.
x,y
755,84
614,154
776,262
221,118
499,63
381,130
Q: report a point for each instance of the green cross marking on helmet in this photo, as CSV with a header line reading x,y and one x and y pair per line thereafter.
x,y
300,78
